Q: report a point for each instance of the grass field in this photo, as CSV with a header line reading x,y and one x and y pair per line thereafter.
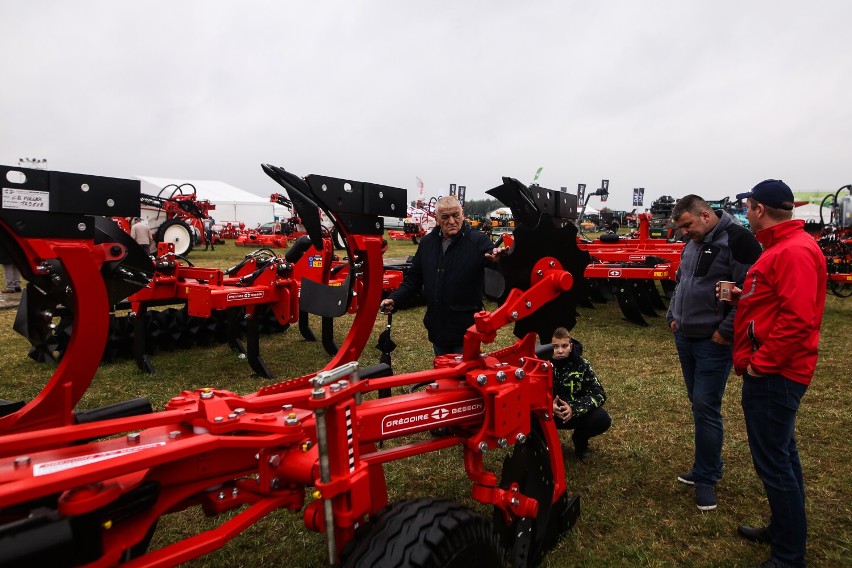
x,y
634,512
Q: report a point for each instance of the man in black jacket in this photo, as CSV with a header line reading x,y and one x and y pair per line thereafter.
x,y
448,270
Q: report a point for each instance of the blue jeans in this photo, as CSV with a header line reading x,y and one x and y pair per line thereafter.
x,y
705,367
769,405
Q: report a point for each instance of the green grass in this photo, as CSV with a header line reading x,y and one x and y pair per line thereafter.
x,y
634,512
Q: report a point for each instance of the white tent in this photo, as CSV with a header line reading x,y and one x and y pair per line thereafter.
x,y
589,210
810,212
232,204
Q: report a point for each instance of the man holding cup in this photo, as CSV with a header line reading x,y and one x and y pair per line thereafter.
x,y
719,249
779,312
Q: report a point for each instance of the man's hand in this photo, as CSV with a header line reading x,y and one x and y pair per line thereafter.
x,y
496,253
673,326
719,338
562,409
751,372
386,306
735,295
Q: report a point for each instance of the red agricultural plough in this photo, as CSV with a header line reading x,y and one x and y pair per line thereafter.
x,y
89,492
260,295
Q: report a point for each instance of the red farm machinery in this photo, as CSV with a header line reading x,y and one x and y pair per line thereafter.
x,y
419,221
86,488
834,236
175,215
627,269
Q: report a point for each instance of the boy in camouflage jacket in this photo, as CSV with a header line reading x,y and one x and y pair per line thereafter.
x,y
578,395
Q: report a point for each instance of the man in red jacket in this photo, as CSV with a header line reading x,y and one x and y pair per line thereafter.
x,y
776,332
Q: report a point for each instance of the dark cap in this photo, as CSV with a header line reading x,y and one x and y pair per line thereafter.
x,y
771,192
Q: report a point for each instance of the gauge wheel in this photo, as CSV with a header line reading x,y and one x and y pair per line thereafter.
x,y
178,233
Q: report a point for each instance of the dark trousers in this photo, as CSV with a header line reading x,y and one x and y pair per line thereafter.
x,y
447,349
593,423
705,366
769,405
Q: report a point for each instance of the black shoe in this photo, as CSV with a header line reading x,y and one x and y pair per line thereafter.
x,y
705,497
688,478
759,535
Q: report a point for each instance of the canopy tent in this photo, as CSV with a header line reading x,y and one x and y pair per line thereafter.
x,y
589,210
810,212
232,204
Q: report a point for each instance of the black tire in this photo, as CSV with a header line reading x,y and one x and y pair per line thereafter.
x,y
426,533
177,232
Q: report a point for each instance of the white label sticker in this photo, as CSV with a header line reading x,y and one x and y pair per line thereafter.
x,y
61,465
27,199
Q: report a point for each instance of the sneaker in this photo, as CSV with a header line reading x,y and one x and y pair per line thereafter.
x,y
8,291
705,497
688,478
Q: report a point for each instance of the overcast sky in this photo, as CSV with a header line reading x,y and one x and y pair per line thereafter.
x,y
676,96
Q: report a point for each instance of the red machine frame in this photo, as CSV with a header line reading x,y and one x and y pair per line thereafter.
x,y
222,451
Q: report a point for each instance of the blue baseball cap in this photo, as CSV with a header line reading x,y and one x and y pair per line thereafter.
x,y
771,192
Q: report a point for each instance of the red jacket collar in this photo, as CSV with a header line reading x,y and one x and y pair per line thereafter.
x,y
776,233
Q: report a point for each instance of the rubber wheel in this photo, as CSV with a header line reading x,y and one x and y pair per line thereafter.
x,y
177,232
425,533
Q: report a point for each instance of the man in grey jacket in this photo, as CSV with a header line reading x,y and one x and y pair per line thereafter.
x,y
718,249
